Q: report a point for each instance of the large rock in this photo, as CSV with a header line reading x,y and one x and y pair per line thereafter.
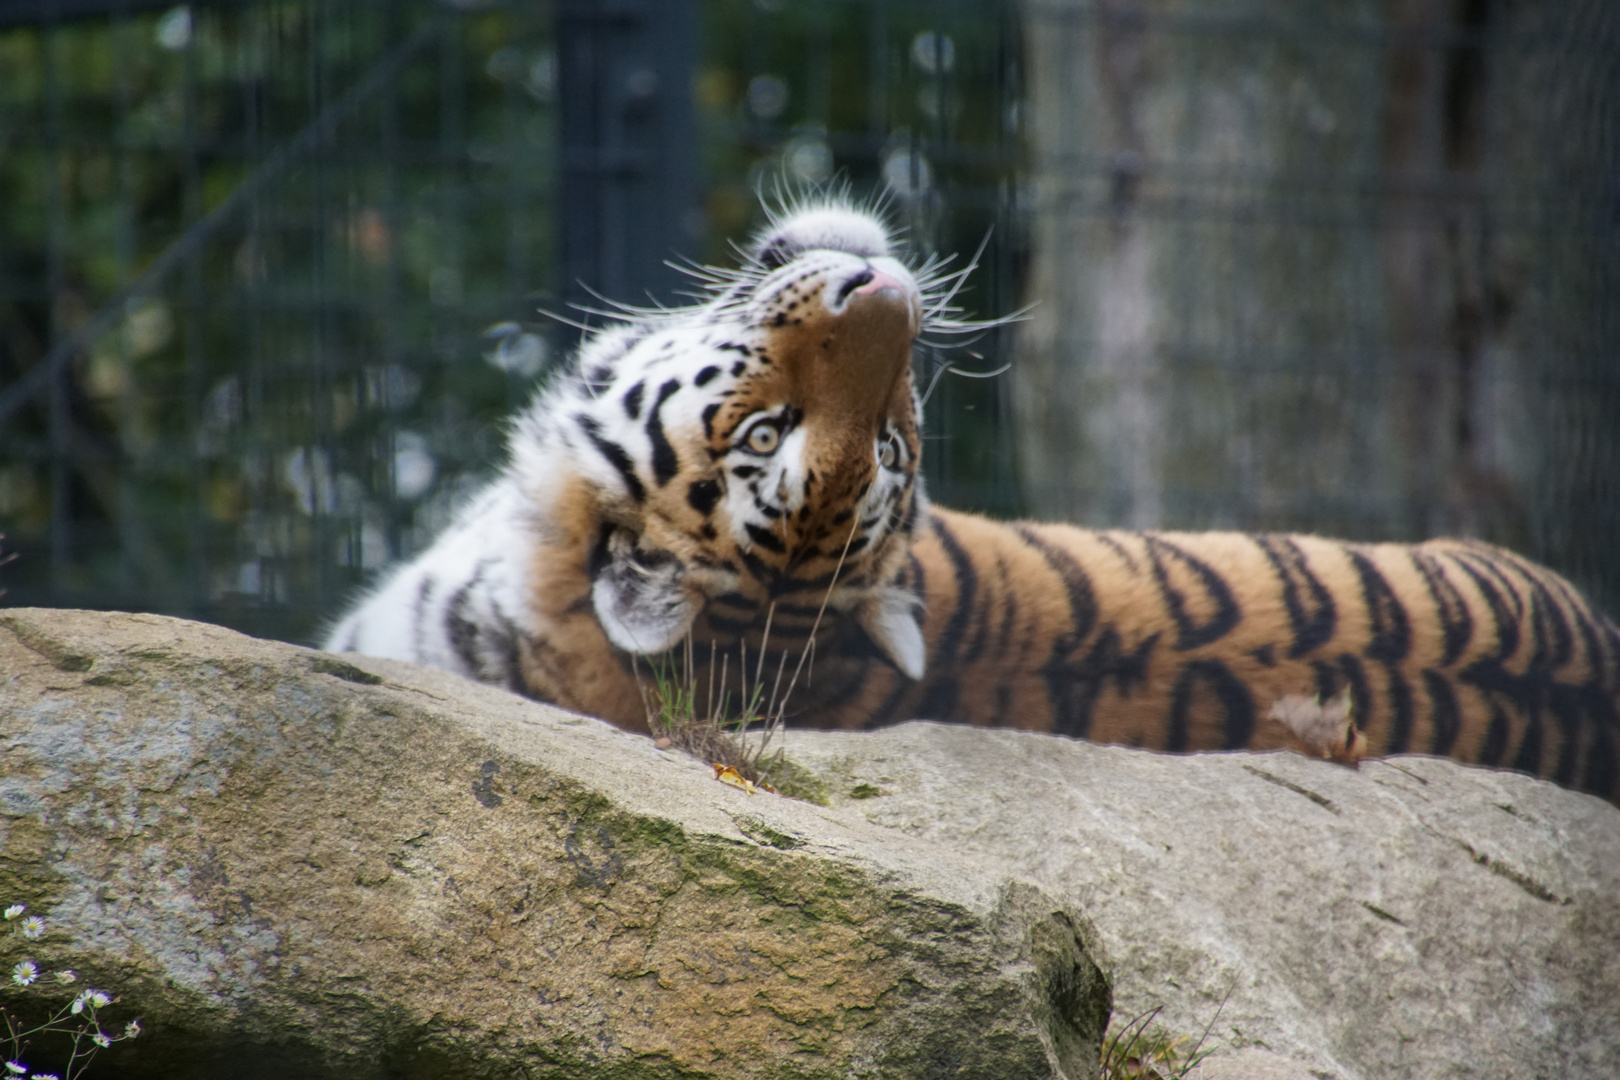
x,y
1413,919
292,864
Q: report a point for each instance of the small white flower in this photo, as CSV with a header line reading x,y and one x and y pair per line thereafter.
x,y
15,910
16,1068
25,973
33,927
98,998
78,1005
132,1029
101,1040
45,1076
66,975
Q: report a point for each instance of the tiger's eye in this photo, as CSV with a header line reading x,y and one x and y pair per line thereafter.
x,y
888,455
764,438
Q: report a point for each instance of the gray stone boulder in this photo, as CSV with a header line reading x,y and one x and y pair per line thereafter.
x,y
293,864
1412,918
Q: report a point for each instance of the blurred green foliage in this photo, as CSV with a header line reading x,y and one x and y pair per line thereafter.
x,y
307,398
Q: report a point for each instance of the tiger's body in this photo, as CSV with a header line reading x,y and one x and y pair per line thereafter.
x,y
738,478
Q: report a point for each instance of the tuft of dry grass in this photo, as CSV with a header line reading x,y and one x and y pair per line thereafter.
x,y
708,723
726,734
1140,1051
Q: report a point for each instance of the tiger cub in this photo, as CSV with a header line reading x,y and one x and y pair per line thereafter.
x,y
738,480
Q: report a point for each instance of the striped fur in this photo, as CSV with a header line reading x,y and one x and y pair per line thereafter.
x,y
729,478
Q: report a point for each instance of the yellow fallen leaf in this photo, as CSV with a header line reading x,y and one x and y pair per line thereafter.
x,y
1326,729
727,774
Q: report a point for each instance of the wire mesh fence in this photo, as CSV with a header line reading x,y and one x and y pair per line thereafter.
x,y
272,273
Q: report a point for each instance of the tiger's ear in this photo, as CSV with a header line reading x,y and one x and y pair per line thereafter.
x,y
640,596
892,620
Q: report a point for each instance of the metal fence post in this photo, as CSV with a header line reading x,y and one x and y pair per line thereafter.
x,y
629,146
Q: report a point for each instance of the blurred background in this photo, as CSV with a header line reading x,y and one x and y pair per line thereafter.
x,y
272,272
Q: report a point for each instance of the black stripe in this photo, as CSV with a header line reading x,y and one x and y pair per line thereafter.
x,y
786,585
1547,616
1565,704
762,572
858,646
941,700
462,631
800,611
720,624
1456,621
764,538
1602,775
1507,625
708,419
1400,703
702,496
981,628
1445,716
1237,706
1361,701
1117,548
706,376
615,455
1496,737
1391,630
887,712
908,523
966,586
1074,686
913,576
1558,617
664,462
1076,583
506,638
1009,618
1528,759
424,589
1327,679
1071,704
1596,658
632,400
1191,634
1311,612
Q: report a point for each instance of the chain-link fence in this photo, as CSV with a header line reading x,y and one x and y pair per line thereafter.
x,y
272,273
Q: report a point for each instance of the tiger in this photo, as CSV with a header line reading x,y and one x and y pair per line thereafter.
x,y
736,484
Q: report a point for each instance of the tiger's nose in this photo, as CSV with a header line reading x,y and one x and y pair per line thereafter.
x,y
868,281
877,281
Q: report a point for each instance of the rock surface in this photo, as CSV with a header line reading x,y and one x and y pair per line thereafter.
x,y
297,864
1411,919
294,864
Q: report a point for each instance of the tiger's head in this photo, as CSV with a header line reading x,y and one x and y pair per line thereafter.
x,y
755,453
